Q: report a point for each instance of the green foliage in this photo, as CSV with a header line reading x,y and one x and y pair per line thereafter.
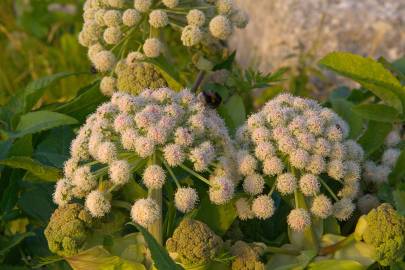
x,y
68,229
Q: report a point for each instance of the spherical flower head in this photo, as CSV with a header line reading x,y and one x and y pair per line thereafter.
x,y
129,139
134,57
120,172
247,163
224,6
316,164
343,209
322,147
145,212
286,183
142,5
336,169
253,184
112,35
273,166
321,206
94,50
152,47
350,190
390,156
131,17
84,179
263,207
240,18
106,152
183,136
315,125
381,174
185,199
309,184
98,203
352,171
112,18
299,158
196,17
287,144
306,140
255,120
220,27
191,35
221,190
174,154
70,166
367,202
264,150
353,150
154,177
170,3
243,209
260,135
144,146
202,156
99,16
107,85
158,18
116,3
393,138
104,61
299,219
338,151
334,133
62,194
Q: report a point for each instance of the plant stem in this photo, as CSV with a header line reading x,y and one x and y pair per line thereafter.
x,y
198,81
335,247
280,250
171,173
121,204
156,229
329,189
190,171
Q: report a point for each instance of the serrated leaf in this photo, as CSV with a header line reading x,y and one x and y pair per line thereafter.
x,y
47,173
38,121
374,136
344,109
370,74
377,112
160,256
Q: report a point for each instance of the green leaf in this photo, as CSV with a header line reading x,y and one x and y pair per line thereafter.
x,y
336,265
398,172
47,173
344,109
34,122
22,147
218,217
99,258
374,136
399,199
35,201
86,102
26,99
227,63
7,244
169,73
377,112
370,74
160,256
233,112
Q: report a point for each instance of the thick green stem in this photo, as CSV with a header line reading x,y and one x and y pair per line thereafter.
x,y
335,247
329,189
279,250
190,171
156,229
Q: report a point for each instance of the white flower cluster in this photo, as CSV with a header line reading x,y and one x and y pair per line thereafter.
x,y
171,129
109,26
303,149
378,172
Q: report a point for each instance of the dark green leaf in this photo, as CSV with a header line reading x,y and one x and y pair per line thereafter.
x,y
86,102
36,201
399,199
344,109
22,147
160,256
41,171
336,265
370,74
398,171
374,136
34,122
227,63
14,241
218,217
168,72
233,112
377,112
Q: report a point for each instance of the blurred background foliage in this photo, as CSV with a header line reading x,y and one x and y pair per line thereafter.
x,y
38,38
